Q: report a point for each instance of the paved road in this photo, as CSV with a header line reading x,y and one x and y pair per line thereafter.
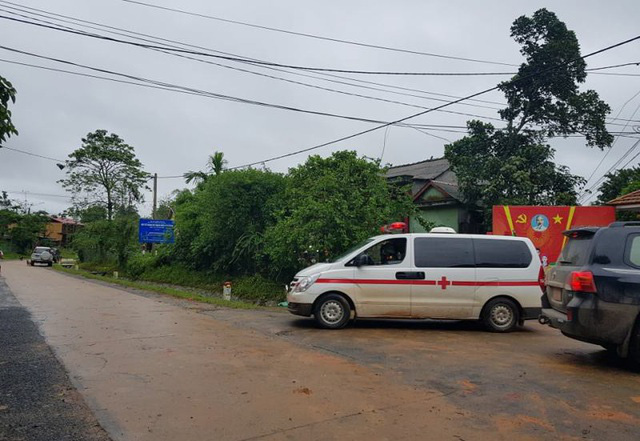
x,y
157,368
37,400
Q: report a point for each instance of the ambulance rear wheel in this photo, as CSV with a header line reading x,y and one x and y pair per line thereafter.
x,y
501,315
332,311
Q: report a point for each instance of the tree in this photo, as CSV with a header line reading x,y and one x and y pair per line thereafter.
x,y
220,225
545,90
7,94
23,230
215,166
106,242
514,164
330,204
618,183
105,172
492,169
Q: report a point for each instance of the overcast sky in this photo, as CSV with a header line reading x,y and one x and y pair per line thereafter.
x,y
173,133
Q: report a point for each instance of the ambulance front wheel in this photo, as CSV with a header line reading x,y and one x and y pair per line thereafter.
x,y
332,311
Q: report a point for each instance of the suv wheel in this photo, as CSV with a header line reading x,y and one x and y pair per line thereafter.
x,y
332,311
501,315
634,344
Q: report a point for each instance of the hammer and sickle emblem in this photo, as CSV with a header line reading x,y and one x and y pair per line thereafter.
x,y
522,219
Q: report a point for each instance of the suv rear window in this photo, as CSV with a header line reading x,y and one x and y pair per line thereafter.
x,y
633,247
575,252
435,252
496,253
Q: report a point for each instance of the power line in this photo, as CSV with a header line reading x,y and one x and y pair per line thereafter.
x,y
249,61
363,132
614,143
588,193
349,81
177,88
48,14
318,37
246,60
39,194
280,78
32,154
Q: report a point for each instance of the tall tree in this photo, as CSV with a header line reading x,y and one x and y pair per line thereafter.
x,y
7,94
105,172
215,166
514,165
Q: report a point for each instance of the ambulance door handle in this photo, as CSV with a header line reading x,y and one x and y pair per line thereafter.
x,y
410,275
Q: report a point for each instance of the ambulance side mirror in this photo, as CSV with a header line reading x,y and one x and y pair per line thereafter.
x,y
362,260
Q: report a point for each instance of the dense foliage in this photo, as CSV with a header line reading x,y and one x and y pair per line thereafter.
x,y
619,183
108,242
22,231
514,165
330,204
220,225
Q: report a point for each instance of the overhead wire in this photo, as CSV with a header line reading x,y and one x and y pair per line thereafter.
x,y
176,88
614,142
318,37
427,110
318,76
31,154
363,132
349,82
248,61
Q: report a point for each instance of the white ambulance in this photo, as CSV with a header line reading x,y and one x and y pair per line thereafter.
x,y
497,279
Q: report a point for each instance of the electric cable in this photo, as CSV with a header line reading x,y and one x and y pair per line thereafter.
x,y
363,132
318,37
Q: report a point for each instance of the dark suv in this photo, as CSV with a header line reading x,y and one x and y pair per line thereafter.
x,y
593,293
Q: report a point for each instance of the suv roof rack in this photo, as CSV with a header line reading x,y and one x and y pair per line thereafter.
x,y
624,224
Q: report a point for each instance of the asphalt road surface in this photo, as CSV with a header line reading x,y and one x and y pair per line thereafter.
x,y
156,368
37,400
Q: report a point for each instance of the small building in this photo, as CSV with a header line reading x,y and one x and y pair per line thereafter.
x,y
435,191
629,203
60,229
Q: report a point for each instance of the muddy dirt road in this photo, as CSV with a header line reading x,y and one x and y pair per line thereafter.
x,y
156,368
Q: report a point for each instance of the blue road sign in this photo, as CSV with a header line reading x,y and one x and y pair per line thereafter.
x,y
156,231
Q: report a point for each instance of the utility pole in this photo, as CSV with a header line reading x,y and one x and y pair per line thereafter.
x,y
155,195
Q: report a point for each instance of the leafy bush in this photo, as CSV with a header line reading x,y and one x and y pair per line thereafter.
x,y
330,205
219,226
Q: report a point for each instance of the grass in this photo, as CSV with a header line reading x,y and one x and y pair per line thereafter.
x,y
173,292
251,288
10,255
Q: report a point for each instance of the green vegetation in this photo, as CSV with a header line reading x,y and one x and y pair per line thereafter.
x,y
104,172
514,165
7,94
173,292
254,228
20,230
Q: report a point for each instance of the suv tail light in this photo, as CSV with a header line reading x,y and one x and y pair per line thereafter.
x,y
582,281
541,276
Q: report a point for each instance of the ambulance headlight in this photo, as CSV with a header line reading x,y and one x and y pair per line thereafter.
x,y
305,283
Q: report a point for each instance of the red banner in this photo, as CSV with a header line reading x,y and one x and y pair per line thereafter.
x,y
544,224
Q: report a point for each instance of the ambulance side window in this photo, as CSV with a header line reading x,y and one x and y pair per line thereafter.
x,y
450,252
387,252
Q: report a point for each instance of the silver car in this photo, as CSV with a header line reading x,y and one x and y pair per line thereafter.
x,y
42,255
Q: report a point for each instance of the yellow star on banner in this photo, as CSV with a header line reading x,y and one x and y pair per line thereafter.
x,y
557,219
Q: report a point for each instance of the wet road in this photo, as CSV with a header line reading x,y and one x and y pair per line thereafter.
x,y
158,368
